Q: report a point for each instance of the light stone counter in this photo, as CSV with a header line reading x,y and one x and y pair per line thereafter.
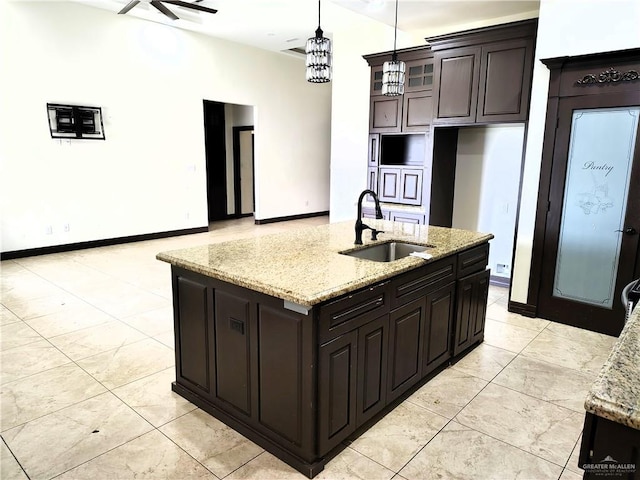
x,y
615,395
305,266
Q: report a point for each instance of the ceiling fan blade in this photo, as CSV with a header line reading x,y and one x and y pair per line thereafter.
x,y
164,9
129,6
193,6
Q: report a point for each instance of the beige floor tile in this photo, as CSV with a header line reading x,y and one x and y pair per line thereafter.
x,y
151,456
20,362
153,322
73,319
395,439
459,452
552,383
17,334
9,267
126,364
9,467
211,442
573,462
566,352
569,475
593,339
93,340
485,361
62,440
499,313
448,392
27,309
40,394
496,293
533,425
122,299
7,316
153,398
166,338
25,285
266,466
506,336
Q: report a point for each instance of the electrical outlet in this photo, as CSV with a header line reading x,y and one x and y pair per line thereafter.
x,y
66,227
48,230
502,268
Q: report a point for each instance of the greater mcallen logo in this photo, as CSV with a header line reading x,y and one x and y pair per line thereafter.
x,y
609,466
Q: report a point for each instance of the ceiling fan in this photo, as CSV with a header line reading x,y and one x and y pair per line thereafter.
x,y
158,4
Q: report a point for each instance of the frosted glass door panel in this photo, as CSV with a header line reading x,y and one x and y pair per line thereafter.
x,y
595,197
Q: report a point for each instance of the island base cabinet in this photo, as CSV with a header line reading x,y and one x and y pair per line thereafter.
x,y
604,440
438,327
471,310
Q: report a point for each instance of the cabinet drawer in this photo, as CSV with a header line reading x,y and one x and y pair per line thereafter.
x,y
352,311
414,284
473,260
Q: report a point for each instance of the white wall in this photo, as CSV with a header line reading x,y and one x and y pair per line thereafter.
x,y
150,79
486,190
567,27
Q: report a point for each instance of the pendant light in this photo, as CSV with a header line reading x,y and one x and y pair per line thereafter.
x,y
318,52
393,71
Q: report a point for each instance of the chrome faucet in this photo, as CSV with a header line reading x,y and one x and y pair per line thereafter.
x,y
360,227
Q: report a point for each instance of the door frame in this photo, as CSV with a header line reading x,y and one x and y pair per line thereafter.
x,y
237,184
565,75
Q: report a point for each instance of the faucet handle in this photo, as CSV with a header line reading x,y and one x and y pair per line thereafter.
x,y
374,233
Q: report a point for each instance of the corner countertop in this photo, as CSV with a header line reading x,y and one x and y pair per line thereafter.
x,y
615,395
304,266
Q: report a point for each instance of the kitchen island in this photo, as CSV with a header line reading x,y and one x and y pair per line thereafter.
x,y
611,437
299,346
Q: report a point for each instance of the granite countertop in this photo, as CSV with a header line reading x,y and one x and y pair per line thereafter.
x,y
304,266
615,395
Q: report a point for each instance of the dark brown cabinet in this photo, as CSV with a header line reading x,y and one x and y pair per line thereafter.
x,y
417,111
484,75
440,308
374,148
385,114
337,377
400,185
505,81
471,310
405,347
456,85
300,385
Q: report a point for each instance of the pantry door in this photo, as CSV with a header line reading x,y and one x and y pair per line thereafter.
x,y
593,214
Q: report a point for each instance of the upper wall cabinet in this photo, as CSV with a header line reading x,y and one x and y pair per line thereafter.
x,y
484,75
411,112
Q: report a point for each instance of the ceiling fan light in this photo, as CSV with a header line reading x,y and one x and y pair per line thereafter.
x,y
318,50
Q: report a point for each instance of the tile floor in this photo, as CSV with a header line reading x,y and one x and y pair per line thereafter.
x,y
86,363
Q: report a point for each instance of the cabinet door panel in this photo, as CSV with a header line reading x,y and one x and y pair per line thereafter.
x,y
438,327
389,184
457,85
471,304
232,351
193,311
505,81
337,390
482,292
419,75
418,111
405,347
385,114
374,148
282,356
372,368
411,187
372,179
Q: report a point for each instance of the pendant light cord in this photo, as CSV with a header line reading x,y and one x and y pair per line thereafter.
x,y
395,34
318,13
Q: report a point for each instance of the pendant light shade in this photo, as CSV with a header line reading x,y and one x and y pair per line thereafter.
x,y
393,71
318,52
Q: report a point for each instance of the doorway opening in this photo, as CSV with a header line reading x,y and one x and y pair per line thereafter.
x,y
229,153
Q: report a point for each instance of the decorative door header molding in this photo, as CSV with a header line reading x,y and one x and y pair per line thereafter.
x,y
609,76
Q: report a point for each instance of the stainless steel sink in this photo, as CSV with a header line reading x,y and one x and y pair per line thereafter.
x,y
386,252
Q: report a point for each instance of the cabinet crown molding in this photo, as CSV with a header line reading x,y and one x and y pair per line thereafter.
x,y
477,36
